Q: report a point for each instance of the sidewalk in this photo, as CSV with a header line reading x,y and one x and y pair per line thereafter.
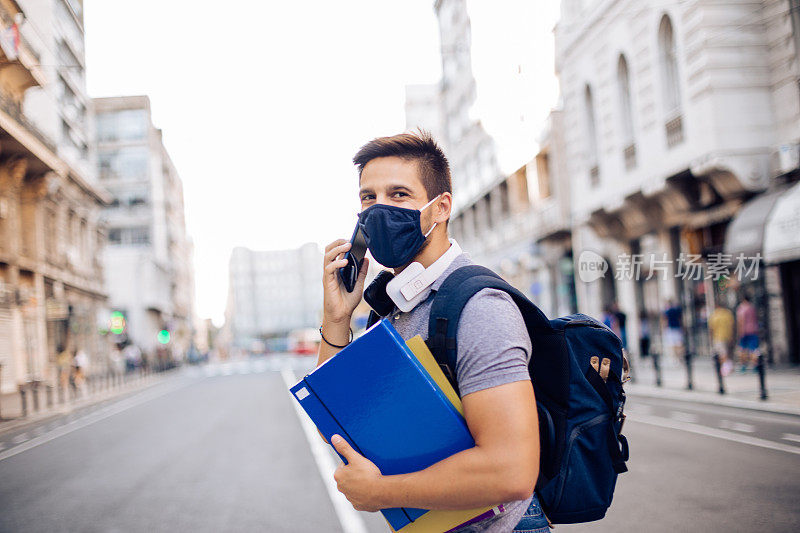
x,y
11,411
741,389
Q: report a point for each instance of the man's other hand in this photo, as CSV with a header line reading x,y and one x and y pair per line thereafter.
x,y
338,304
359,479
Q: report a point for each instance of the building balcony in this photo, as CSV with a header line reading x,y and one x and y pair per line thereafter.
x,y
548,219
19,67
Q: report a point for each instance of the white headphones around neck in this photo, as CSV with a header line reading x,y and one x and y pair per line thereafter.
x,y
412,285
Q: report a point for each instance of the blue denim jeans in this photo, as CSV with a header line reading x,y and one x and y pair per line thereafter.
x,y
533,521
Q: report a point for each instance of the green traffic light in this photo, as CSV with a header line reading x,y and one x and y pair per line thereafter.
x,y
163,336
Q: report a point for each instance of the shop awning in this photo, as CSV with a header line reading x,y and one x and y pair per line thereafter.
x,y
745,234
782,232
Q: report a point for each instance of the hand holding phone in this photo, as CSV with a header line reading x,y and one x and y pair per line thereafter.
x,y
355,257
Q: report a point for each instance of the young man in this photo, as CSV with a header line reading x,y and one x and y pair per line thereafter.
x,y
406,201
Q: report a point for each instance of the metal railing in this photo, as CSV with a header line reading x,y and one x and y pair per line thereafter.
x,y
674,131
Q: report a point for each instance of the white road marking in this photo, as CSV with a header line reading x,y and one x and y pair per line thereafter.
x,y
122,405
791,436
348,517
737,426
22,437
683,417
713,432
2,446
721,410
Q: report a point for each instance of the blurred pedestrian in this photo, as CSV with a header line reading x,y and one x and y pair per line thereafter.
x,y
80,368
644,334
116,363
133,357
64,366
622,320
720,325
673,332
610,320
747,330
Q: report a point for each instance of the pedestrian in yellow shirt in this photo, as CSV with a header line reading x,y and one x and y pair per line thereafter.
x,y
720,324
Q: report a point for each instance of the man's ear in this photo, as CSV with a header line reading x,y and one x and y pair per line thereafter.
x,y
442,208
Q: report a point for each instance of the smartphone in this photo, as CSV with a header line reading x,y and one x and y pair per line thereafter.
x,y
355,256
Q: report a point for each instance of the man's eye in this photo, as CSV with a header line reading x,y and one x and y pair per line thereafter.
x,y
367,197
399,194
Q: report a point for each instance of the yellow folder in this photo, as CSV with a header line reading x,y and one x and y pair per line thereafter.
x,y
438,521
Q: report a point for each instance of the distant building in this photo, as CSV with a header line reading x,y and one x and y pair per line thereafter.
x,y
51,237
444,109
272,293
149,273
492,212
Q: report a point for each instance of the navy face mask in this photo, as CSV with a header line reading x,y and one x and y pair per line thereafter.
x,y
393,234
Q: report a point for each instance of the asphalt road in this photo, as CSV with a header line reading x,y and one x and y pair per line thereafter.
x,y
223,448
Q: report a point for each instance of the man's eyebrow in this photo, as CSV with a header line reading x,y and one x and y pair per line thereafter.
x,y
364,190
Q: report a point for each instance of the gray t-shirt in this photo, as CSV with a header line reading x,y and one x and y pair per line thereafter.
x,y
493,349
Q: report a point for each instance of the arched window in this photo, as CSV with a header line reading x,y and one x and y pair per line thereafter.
x,y
591,136
626,113
625,107
668,62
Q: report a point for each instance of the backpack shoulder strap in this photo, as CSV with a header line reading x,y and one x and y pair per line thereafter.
x,y
373,318
449,302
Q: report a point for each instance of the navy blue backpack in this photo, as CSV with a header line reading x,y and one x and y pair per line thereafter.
x,y
576,369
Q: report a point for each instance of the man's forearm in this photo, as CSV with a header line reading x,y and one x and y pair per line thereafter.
x,y
471,478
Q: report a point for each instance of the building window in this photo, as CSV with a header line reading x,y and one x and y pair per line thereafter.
x,y
543,175
505,206
626,112
668,65
129,236
486,210
125,125
115,236
591,137
125,163
139,235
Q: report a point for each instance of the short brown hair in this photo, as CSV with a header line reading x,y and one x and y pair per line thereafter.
x,y
434,169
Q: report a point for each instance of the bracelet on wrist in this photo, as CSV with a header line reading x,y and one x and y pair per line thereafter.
x,y
329,343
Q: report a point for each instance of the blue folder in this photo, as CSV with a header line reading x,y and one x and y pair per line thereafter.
x,y
377,395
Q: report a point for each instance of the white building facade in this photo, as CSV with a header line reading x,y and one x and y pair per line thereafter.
x,y
673,113
148,261
61,109
272,293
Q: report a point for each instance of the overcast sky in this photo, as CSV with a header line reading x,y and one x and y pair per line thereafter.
x,y
263,104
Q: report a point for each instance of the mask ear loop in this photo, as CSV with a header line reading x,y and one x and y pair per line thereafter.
x,y
430,230
424,207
